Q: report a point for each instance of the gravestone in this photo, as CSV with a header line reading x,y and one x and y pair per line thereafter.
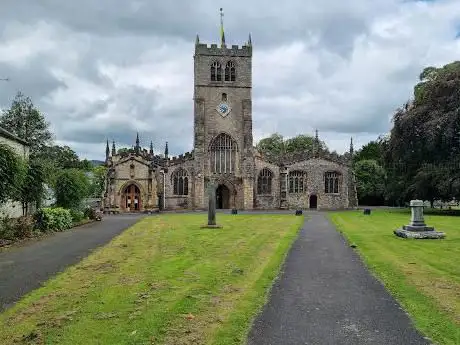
x,y
367,211
417,227
211,208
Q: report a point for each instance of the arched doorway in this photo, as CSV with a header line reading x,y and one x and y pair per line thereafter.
x,y
222,197
132,198
313,201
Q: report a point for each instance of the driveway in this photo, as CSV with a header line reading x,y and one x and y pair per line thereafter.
x,y
24,269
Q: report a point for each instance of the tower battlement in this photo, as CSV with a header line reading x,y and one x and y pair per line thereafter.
x,y
215,50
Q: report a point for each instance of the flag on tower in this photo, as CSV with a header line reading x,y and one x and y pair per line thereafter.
x,y
222,33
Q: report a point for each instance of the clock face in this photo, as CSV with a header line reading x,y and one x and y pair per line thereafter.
x,y
223,109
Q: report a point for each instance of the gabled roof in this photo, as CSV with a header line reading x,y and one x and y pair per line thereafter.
x,y
4,133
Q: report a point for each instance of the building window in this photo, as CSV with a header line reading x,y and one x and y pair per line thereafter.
x,y
223,154
216,71
179,179
224,97
264,182
331,182
230,72
297,181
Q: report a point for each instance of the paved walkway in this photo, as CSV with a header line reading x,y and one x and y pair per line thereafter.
x,y
326,296
23,269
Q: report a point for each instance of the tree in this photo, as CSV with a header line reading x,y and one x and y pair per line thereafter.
x,y
62,157
12,171
72,186
423,150
370,151
32,190
98,181
370,177
275,146
25,121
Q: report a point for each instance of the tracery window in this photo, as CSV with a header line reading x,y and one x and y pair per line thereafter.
x,y
179,179
216,71
230,73
297,181
223,154
331,182
264,182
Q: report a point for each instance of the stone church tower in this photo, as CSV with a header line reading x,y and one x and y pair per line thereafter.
x,y
223,144
223,155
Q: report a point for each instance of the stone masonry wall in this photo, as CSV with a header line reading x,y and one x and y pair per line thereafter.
x,y
271,201
315,169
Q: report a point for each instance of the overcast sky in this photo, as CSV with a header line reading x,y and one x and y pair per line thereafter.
x,y
106,69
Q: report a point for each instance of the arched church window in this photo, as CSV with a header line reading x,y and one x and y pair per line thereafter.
x,y
224,97
297,180
216,71
331,182
223,154
230,73
264,182
179,179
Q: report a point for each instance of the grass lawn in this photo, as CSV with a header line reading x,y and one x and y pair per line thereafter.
x,y
163,281
423,275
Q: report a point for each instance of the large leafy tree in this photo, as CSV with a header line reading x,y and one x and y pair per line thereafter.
x,y
12,172
72,186
25,121
370,177
275,146
423,151
62,157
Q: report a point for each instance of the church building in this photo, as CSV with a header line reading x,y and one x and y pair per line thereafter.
x,y
224,155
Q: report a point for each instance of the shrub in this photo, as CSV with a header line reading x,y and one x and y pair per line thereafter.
x,y
6,228
71,188
77,215
53,219
16,228
90,213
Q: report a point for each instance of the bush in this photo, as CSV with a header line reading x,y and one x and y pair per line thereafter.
x,y
77,215
16,228
90,213
6,228
53,219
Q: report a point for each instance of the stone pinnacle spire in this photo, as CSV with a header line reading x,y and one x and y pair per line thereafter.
x,y
352,150
166,150
137,148
151,147
107,150
250,40
114,151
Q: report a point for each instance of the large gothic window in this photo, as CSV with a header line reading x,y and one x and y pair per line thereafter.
x,y
216,71
179,179
264,182
230,73
223,154
297,180
331,182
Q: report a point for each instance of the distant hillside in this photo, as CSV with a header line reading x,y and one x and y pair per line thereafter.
x,y
96,163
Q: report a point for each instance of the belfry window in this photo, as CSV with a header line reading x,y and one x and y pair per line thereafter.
x,y
264,182
223,154
297,181
216,71
179,180
331,182
230,73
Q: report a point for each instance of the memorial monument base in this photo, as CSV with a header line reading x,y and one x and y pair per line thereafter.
x,y
207,226
417,228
